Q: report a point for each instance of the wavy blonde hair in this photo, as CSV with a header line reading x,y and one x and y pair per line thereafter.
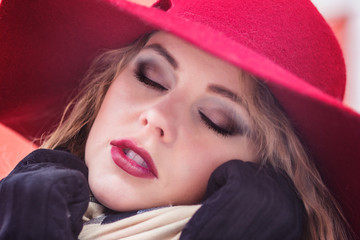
x,y
272,134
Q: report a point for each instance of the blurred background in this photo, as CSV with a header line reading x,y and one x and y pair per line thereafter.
x,y
342,15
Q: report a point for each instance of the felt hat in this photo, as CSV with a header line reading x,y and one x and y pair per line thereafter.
x,y
46,47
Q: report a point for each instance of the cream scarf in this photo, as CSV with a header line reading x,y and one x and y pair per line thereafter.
x,y
163,223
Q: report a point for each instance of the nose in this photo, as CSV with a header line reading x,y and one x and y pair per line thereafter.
x,y
160,121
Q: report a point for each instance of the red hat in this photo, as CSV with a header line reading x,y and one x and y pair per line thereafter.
x,y
46,46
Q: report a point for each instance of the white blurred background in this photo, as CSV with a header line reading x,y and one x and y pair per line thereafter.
x,y
344,17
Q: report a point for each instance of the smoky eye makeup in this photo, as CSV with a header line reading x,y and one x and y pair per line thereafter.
x,y
146,74
223,121
153,73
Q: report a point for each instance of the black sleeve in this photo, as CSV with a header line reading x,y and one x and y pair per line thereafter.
x,y
244,201
44,197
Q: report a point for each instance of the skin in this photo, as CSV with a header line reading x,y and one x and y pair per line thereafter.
x,y
167,124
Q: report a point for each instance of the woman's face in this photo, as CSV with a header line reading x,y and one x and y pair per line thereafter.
x,y
168,120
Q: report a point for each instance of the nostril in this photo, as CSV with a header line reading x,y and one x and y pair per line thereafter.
x,y
144,121
153,125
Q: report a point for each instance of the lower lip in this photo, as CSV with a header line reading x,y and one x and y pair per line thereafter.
x,y
129,165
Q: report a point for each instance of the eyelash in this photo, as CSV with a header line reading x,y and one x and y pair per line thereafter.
x,y
210,124
141,77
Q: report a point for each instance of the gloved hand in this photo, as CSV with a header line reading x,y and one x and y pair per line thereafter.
x,y
244,201
44,197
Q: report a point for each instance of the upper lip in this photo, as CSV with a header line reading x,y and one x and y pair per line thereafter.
x,y
131,144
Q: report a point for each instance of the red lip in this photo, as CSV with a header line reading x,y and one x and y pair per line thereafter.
x,y
129,165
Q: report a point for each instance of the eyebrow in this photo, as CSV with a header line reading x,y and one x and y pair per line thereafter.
x,y
163,52
222,91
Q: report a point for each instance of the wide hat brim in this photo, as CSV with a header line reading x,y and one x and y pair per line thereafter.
x,y
46,47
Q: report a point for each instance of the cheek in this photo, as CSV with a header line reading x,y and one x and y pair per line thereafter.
x,y
209,152
119,107
194,165
199,159
112,118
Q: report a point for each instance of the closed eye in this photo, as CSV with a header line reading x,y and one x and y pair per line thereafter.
x,y
140,74
211,125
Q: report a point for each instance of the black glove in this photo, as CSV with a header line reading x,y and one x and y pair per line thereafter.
x,y
244,201
44,197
